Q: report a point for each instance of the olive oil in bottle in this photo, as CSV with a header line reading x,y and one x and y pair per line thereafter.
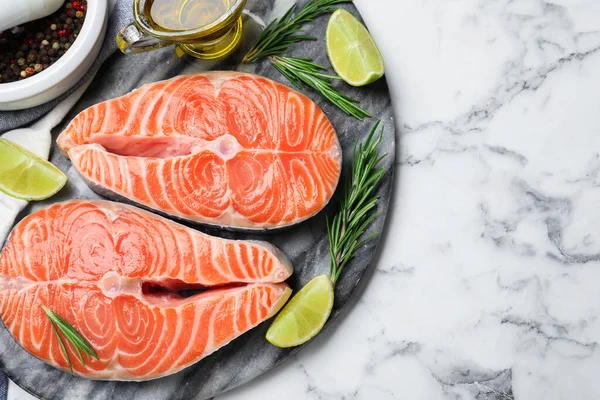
x,y
184,15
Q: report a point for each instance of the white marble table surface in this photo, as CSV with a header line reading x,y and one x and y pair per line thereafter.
x,y
487,285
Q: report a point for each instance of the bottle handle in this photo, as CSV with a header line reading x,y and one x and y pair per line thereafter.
x,y
131,40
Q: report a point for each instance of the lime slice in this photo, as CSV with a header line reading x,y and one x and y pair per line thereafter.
x,y
352,50
304,316
26,176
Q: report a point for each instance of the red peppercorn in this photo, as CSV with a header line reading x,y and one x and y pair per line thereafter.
x,y
76,5
63,33
29,41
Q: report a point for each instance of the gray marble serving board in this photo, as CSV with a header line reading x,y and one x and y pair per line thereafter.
x,y
305,244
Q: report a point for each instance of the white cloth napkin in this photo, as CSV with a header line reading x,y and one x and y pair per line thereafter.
x,y
37,138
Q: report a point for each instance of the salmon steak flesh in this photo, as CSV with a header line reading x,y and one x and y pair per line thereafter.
x,y
221,148
150,296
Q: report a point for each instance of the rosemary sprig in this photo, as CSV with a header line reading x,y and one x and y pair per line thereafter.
x,y
78,342
283,32
357,208
303,72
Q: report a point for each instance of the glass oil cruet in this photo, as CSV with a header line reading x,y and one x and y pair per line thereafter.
x,y
204,29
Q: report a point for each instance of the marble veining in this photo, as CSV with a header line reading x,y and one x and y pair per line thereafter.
x,y
305,244
486,285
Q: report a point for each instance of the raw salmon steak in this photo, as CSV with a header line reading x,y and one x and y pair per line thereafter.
x,y
221,148
116,274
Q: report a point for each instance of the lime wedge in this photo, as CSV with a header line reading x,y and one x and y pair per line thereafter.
x,y
26,176
352,50
304,316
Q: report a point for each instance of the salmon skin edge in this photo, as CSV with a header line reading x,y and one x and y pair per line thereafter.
x,y
69,140
101,374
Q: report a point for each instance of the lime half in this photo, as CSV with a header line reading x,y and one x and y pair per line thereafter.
x,y
304,316
352,50
26,176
